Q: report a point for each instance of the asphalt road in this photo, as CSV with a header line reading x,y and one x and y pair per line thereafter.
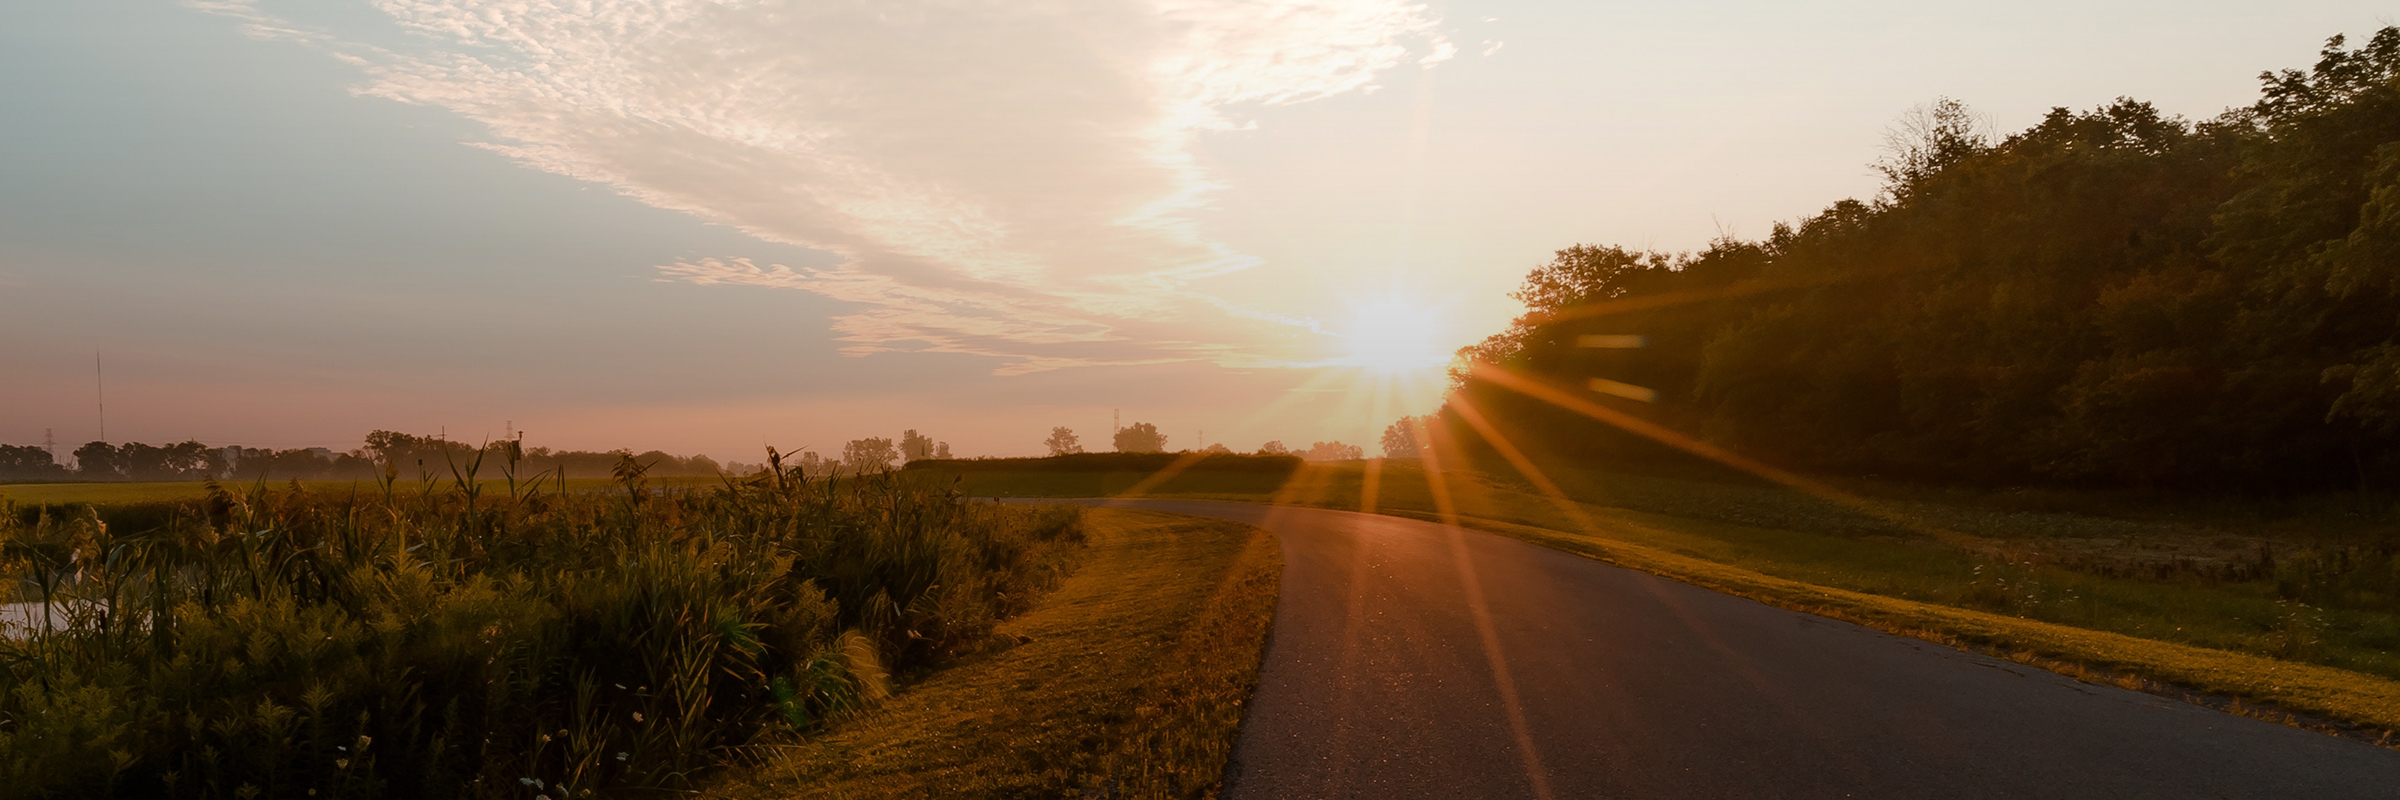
x,y
1411,659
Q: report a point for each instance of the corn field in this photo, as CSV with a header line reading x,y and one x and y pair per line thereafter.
x,y
440,639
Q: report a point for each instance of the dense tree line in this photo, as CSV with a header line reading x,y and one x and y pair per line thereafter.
x,y
23,462
411,456
401,455
2110,297
130,461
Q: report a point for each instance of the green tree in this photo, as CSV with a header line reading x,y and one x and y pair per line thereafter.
x,y
1333,451
98,461
871,454
1140,437
1400,439
1928,139
26,462
1062,441
2112,296
915,446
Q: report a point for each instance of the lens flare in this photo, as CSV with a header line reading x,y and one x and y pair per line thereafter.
x,y
1394,335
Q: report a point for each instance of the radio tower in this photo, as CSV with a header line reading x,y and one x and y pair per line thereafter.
x,y
50,444
100,382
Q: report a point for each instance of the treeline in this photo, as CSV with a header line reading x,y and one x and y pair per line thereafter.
x,y
400,455
2110,297
413,456
1207,461
136,461
1143,437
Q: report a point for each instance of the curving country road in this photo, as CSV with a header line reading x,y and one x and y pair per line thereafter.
x,y
1412,660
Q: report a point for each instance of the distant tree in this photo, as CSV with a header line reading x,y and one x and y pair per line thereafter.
x,y
915,446
659,462
813,464
1274,448
98,461
1400,440
1333,451
1141,437
429,456
871,453
1218,449
26,462
941,450
260,464
144,462
1062,441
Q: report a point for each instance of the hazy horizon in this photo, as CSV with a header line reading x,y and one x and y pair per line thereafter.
x,y
284,226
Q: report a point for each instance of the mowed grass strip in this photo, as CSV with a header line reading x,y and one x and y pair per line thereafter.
x,y
1130,681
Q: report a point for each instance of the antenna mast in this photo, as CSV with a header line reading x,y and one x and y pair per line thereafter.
x,y
100,381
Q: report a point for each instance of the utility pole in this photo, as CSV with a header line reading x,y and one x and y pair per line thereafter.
x,y
1116,421
100,380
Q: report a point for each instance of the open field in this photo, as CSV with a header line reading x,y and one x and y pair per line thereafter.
x,y
1128,682
2130,601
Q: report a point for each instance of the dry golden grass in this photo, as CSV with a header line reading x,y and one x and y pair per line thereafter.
x,y
1129,682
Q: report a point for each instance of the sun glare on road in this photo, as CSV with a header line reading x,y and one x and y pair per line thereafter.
x,y
1393,335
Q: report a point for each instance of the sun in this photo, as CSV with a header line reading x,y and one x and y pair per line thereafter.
x,y
1394,335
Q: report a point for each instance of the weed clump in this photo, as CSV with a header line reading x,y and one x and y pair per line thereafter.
x,y
434,640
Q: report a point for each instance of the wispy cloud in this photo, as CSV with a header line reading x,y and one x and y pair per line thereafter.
x,y
1003,178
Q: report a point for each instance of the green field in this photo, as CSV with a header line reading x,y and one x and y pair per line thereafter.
x,y
2312,628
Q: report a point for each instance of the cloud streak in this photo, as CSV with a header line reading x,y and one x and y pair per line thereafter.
x,y
1011,178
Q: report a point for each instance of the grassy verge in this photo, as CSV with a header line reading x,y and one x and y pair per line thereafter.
x,y
2125,602
1128,682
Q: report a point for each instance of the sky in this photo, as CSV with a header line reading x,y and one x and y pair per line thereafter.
x,y
711,226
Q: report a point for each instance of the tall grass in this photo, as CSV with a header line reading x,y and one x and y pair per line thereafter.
x,y
424,640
